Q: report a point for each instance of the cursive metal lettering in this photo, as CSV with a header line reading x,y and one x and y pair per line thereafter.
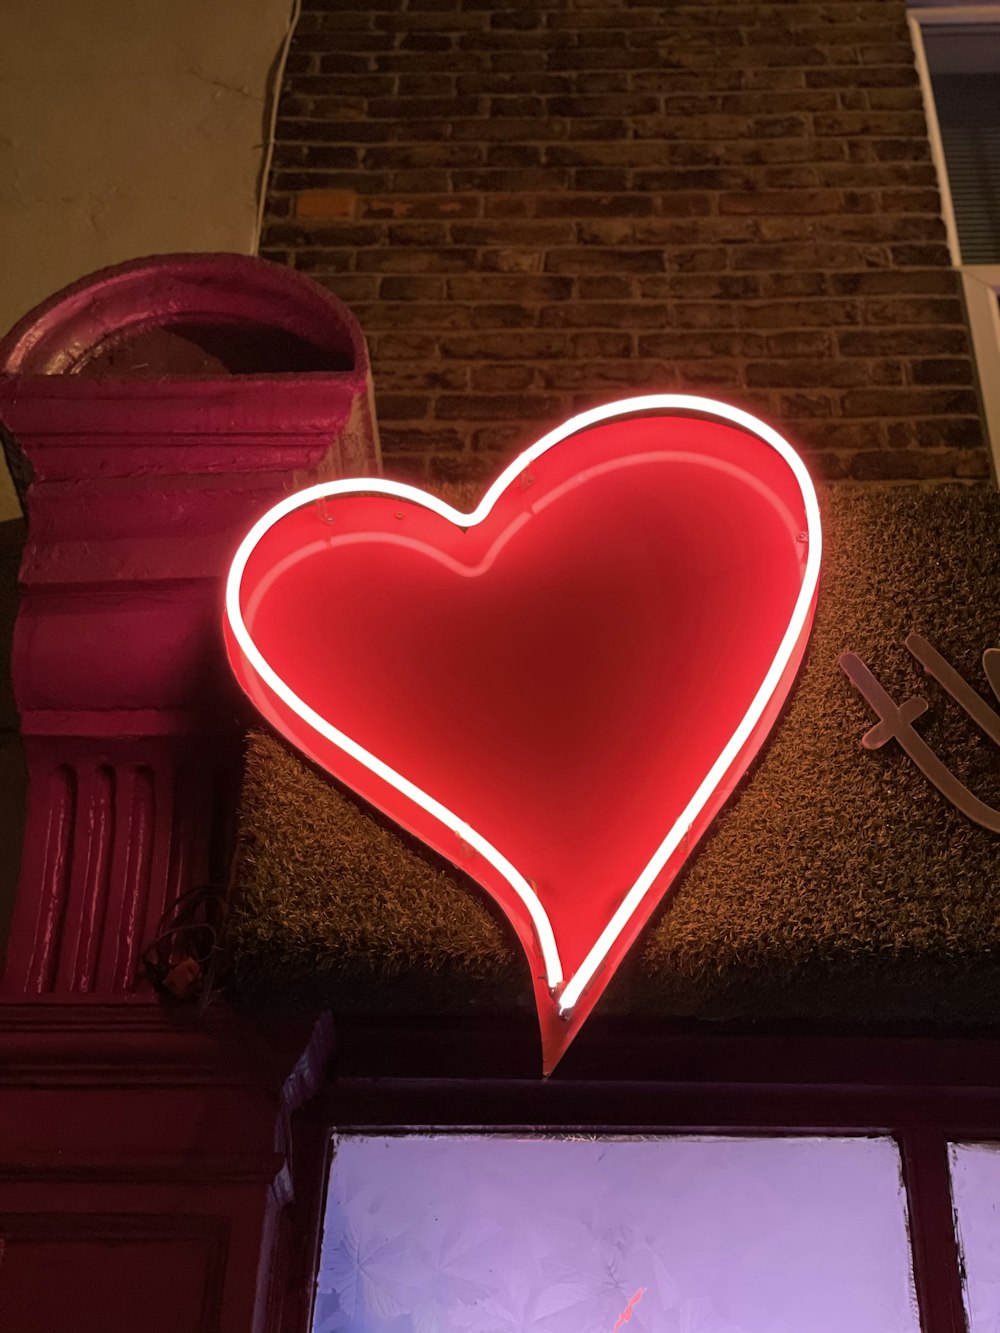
x,y
896,721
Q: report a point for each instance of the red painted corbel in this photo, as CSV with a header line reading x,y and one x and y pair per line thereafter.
x,y
159,407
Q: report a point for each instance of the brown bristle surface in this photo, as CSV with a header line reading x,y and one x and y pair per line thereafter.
x,y
838,885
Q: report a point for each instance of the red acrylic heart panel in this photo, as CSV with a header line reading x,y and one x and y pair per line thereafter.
x,y
558,690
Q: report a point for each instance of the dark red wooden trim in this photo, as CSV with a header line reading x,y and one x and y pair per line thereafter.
x,y
667,1051
658,1107
304,1234
937,1271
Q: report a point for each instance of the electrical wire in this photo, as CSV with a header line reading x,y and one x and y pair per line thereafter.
x,y
276,84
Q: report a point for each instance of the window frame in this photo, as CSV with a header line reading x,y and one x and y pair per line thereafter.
x,y
980,282
674,1079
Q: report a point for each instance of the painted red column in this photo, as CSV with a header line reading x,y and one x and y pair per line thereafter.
x,y
152,411
147,459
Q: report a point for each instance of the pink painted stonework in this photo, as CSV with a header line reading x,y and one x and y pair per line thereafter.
x,y
159,407
152,411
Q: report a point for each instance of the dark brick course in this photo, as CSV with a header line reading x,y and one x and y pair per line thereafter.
x,y
539,207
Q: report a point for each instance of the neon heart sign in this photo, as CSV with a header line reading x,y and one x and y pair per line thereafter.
x,y
559,690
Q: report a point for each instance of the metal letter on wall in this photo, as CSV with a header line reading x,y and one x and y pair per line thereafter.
x,y
896,721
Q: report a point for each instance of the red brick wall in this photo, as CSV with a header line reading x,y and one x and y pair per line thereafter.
x,y
537,207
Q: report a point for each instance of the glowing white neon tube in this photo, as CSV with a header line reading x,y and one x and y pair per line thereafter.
x,y
667,402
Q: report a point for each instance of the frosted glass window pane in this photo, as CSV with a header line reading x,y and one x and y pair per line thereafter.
x,y
975,1187
477,1234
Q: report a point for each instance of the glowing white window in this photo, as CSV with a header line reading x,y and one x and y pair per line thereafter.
x,y
497,1234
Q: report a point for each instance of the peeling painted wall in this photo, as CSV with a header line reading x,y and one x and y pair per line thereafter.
x,y
127,129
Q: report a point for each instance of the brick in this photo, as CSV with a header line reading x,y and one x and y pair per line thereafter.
x,y
701,230
607,287
451,259
880,174
506,233
519,19
509,206
701,286
404,377
523,180
424,85
417,207
503,287
502,379
714,178
803,373
417,233
794,405
423,108
353,288
495,407
325,204
306,234
845,227
911,201
512,83
324,261
591,259
357,182
952,432
800,314
910,402
920,256
603,179
606,231
418,316
513,155
943,370
400,406
618,376
517,106
881,124
902,342
391,347
411,289
605,315
874,77
500,346
598,205
603,345
500,315
398,156
509,260
893,282
800,343
339,132
703,315
782,202
506,130
596,129
701,345
906,465
710,259
794,284
914,311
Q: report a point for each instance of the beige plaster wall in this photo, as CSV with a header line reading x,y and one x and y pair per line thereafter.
x,y
127,128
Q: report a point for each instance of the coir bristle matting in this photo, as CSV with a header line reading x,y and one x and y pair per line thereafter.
x,y
838,885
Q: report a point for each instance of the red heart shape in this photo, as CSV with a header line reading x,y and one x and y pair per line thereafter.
x,y
559,690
